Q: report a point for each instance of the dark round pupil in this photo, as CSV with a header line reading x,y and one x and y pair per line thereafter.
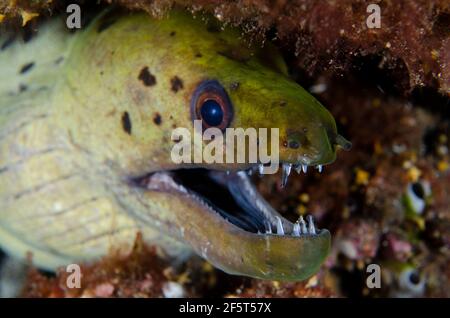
x,y
212,113
414,277
418,190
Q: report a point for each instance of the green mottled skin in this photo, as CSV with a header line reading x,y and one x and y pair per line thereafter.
x,y
65,158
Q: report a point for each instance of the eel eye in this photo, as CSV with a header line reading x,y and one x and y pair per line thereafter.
x,y
211,104
211,112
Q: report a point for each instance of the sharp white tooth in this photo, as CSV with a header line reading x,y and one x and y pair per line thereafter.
x,y
280,230
311,228
268,227
296,230
319,168
285,175
304,168
261,169
298,168
303,225
249,172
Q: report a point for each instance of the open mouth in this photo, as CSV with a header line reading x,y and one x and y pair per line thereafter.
x,y
233,196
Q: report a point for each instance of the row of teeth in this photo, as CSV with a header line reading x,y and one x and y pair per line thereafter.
x,y
287,167
286,171
300,227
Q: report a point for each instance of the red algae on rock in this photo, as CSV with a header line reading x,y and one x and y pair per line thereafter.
x,y
412,44
141,273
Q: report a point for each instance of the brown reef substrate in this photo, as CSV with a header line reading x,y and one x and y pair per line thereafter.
x,y
412,46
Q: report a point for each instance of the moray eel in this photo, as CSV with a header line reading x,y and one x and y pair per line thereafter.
x,y
86,120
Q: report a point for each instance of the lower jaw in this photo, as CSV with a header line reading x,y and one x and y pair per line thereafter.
x,y
280,251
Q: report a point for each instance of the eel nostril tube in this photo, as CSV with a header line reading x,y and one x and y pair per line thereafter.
x,y
343,143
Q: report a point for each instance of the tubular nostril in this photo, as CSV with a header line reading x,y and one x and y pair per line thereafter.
x,y
342,142
338,140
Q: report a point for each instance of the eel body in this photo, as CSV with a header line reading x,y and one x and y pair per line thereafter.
x,y
86,123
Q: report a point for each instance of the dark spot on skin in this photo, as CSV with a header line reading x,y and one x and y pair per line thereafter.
x,y
87,18
101,72
25,68
108,20
174,126
170,117
126,123
157,119
294,144
235,54
7,42
172,33
22,88
104,24
28,33
177,139
198,55
177,84
59,60
283,103
234,86
146,77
